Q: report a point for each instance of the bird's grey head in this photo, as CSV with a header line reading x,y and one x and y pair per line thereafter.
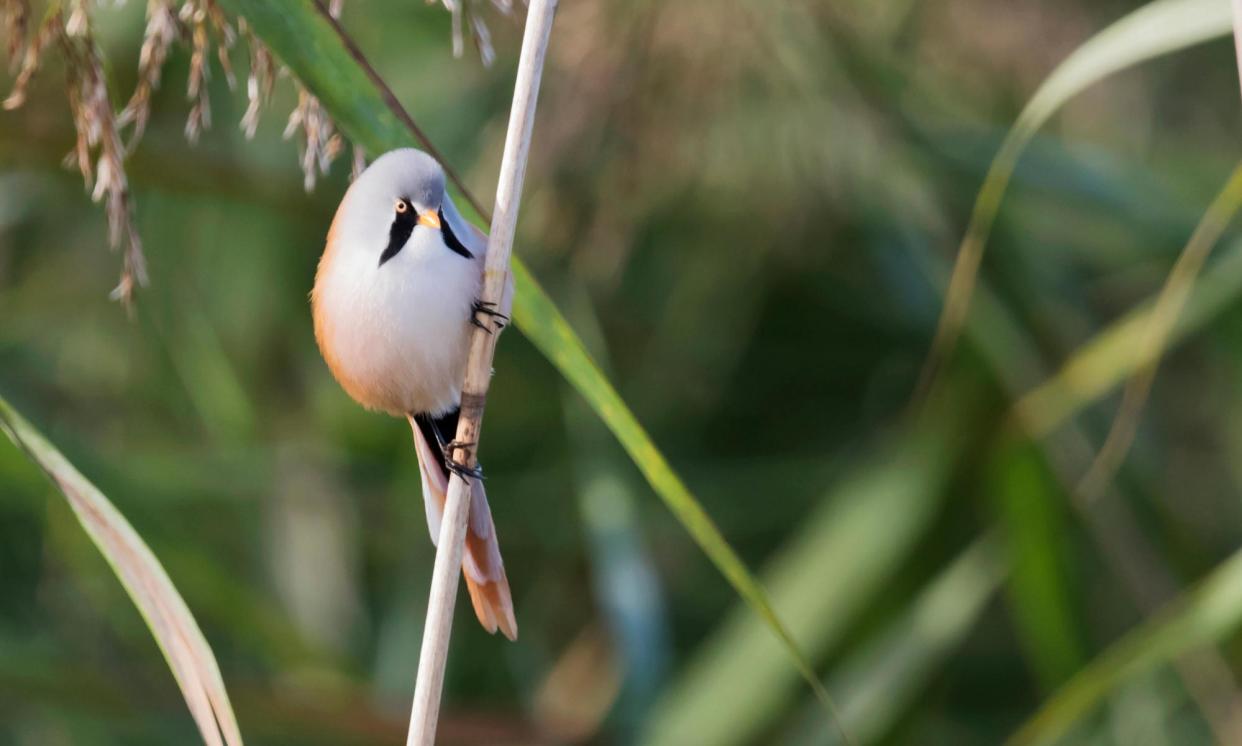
x,y
398,196
404,174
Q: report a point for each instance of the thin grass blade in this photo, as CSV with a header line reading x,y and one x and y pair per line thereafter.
x,y
539,319
882,679
1117,352
1207,614
824,577
1155,29
1166,309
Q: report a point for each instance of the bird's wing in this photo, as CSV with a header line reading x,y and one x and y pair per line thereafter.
x,y
481,564
435,484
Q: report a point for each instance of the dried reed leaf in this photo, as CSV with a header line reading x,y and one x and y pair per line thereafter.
x,y
16,22
259,82
466,15
195,17
96,126
226,38
32,58
162,30
98,153
79,21
148,585
320,143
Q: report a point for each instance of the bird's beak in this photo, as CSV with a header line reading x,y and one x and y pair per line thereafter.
x,y
429,219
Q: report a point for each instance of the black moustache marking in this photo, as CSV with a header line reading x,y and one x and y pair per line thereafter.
x,y
402,226
450,239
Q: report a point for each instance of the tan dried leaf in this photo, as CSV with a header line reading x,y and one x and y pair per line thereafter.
x,y
172,625
32,58
16,25
91,107
163,28
259,82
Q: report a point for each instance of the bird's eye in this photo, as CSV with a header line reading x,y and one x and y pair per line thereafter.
x,y
402,206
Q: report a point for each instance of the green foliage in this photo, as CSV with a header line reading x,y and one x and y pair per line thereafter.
x,y
1209,612
1031,509
846,552
302,38
885,675
749,216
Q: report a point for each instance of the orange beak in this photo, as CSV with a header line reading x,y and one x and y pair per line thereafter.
x,y
429,219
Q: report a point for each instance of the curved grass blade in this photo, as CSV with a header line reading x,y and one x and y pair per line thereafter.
x,y
843,558
1202,616
310,47
1108,358
1155,29
1167,308
879,682
144,579
542,323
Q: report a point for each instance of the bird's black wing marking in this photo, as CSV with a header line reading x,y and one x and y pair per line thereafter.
x,y
438,431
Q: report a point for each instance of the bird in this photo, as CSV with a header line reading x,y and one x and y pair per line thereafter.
x,y
395,300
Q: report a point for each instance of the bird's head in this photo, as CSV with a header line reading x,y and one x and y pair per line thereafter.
x,y
399,200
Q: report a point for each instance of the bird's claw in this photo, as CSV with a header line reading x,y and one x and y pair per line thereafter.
x,y
463,471
499,320
458,467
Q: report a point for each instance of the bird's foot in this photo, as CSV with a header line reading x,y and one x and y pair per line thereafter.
x,y
480,307
463,471
457,467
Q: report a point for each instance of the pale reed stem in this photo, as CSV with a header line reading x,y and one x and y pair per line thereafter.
x,y
436,632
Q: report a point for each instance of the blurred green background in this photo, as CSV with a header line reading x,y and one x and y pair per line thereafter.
x,y
747,211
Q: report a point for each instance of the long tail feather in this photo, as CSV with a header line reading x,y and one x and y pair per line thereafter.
x,y
481,565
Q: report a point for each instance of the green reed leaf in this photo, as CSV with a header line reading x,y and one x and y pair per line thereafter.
x,y
1202,616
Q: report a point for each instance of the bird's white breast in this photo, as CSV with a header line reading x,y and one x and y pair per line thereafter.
x,y
397,336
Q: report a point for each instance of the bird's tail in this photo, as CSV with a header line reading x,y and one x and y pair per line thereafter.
x,y
481,564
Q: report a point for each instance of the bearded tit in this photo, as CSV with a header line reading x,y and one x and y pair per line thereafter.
x,y
395,299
